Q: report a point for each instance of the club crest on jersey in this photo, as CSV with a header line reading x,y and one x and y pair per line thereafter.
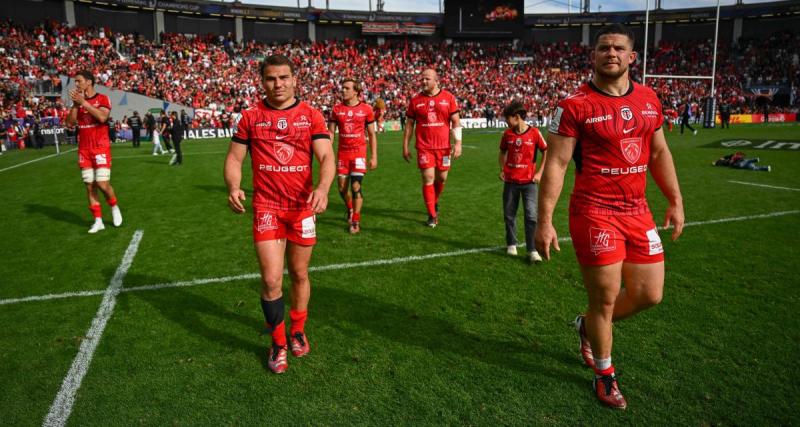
x,y
283,152
282,123
431,103
266,221
601,240
631,149
518,142
349,113
626,113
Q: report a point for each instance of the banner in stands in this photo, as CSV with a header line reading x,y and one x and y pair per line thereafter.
x,y
381,17
398,28
759,118
207,133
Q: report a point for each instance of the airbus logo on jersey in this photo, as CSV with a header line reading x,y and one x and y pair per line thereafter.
x,y
598,119
264,124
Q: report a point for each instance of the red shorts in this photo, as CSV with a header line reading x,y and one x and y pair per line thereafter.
x,y
296,226
439,159
351,162
94,158
605,239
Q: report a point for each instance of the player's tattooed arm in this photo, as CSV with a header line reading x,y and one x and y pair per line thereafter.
x,y
233,176
663,170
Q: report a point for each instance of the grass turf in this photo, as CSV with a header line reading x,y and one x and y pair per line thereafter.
x,y
473,339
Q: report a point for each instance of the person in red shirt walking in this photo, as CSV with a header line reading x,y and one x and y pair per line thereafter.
x,y
353,118
612,127
90,112
434,114
519,146
282,134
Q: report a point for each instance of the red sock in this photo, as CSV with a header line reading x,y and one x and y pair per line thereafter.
x,y
112,202
356,216
97,210
279,334
349,204
438,186
298,320
604,372
429,194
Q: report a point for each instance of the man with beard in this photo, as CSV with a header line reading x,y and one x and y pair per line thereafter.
x,y
612,128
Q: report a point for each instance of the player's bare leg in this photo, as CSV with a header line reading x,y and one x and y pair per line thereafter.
x,y
343,182
603,285
95,208
438,187
358,202
111,199
429,195
644,288
299,257
270,260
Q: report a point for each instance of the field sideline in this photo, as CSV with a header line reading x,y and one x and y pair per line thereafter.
x,y
408,325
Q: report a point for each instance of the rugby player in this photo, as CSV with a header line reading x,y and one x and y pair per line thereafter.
x,y
433,114
90,113
353,117
612,127
282,134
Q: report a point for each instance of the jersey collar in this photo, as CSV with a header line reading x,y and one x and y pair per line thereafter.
x,y
600,91
431,96
269,107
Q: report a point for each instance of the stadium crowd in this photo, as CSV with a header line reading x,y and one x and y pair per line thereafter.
x,y
215,73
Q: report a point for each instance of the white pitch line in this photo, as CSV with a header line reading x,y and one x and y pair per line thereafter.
x,y
37,160
61,408
370,263
765,185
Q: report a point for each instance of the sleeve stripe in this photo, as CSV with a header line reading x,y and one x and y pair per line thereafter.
x,y
320,136
240,140
370,122
455,112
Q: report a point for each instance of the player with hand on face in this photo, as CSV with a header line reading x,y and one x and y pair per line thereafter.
x,y
90,113
434,114
353,118
612,128
282,134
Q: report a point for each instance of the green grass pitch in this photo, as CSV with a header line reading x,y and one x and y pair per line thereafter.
x,y
471,338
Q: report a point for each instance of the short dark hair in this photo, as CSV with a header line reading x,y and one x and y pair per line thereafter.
x,y
86,74
515,108
615,29
273,60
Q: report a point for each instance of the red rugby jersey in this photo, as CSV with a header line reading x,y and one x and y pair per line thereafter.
x,y
613,150
352,122
521,150
91,133
432,117
280,145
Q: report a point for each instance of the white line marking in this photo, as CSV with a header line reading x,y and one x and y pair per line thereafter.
x,y
765,185
389,261
469,146
37,160
61,408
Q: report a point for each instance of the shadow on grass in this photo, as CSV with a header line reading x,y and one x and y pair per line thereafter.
x,y
58,214
407,327
199,315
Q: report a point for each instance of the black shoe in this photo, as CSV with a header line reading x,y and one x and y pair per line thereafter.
x,y
432,221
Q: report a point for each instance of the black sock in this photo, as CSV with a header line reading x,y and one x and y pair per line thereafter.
x,y
273,312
